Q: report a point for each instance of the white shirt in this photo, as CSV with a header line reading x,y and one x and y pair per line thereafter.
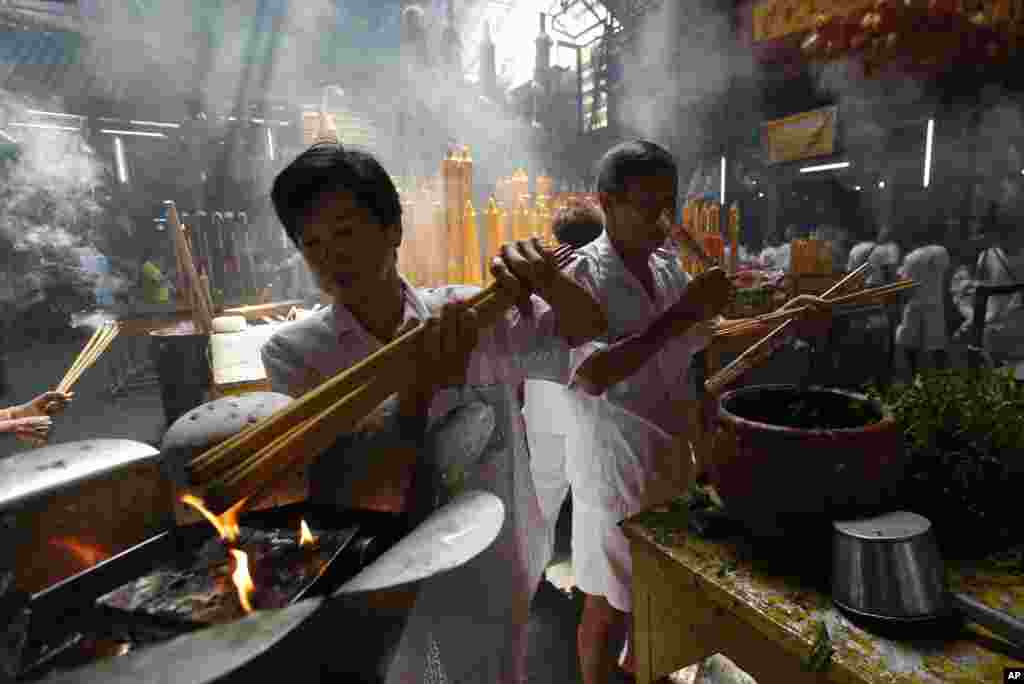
x,y
927,266
478,615
887,254
623,436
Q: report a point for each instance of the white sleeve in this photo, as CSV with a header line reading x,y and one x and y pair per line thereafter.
x,y
284,371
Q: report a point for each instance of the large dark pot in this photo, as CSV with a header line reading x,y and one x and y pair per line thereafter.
x,y
787,457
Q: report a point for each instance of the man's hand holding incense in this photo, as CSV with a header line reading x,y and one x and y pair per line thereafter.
x,y
525,268
446,346
814,322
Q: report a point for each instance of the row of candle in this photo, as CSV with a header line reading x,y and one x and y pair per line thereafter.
x,y
446,240
703,220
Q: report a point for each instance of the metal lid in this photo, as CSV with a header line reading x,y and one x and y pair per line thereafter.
x,y
33,474
894,526
212,423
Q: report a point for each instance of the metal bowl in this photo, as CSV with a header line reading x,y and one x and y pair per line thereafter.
x,y
889,567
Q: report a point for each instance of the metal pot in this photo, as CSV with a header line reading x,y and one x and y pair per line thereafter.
x,y
888,568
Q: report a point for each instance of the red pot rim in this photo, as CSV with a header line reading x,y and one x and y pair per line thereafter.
x,y
725,415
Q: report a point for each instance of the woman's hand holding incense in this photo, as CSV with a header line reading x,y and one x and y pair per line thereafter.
x,y
46,404
32,429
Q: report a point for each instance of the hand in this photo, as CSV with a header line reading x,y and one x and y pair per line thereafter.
x,y
447,343
817,320
46,404
34,429
522,269
705,297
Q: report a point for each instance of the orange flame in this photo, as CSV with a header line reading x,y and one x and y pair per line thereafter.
x,y
88,554
306,537
226,523
242,579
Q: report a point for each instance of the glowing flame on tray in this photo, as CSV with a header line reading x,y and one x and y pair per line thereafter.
x,y
226,523
87,554
242,579
306,537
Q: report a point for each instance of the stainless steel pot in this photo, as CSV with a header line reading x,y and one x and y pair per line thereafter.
x,y
888,568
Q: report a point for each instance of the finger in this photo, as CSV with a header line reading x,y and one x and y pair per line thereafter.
x,y
506,280
516,262
525,306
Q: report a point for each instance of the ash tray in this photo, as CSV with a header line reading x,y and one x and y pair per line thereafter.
x,y
198,589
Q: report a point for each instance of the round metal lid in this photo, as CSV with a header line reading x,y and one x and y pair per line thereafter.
x,y
894,526
213,422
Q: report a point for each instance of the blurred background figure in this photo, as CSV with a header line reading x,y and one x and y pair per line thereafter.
x,y
923,327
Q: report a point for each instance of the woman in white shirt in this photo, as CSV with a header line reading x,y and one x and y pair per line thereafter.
x,y
923,327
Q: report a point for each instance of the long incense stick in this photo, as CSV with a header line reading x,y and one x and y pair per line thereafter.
x,y
861,297
319,399
61,387
106,339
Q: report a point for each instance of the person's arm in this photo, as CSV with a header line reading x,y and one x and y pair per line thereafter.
x,y
702,300
524,268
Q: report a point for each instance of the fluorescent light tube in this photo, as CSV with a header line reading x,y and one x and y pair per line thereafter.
x,y
825,167
929,137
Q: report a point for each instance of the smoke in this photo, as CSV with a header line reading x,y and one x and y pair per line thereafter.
x,y
682,62
48,195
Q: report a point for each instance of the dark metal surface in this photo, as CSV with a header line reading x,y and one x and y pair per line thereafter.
x,y
303,642
70,606
205,656
31,475
888,568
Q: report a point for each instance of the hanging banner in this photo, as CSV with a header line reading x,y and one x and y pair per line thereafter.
x,y
775,19
801,136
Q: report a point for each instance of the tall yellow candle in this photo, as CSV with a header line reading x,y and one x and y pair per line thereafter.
x,y
439,247
472,272
495,229
734,237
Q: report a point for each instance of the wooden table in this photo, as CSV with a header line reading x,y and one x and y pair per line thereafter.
x,y
694,597
144,319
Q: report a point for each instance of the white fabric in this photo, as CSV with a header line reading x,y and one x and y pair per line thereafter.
x,y
477,614
628,465
621,459
651,391
887,254
924,315
550,426
996,267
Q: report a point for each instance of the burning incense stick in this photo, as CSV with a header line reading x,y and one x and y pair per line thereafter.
x,y
862,297
97,344
82,355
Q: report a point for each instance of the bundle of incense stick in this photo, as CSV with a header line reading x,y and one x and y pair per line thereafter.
x,y
202,313
862,298
762,350
254,459
97,344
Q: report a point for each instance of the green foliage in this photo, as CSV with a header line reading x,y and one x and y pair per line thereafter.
x,y
960,413
964,436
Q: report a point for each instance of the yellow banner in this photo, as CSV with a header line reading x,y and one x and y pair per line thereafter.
x,y
801,136
774,19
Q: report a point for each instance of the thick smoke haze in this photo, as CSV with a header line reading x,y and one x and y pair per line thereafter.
x,y
684,60
48,200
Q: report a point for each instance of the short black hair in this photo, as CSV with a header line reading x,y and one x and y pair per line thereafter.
x,y
331,167
633,159
578,224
